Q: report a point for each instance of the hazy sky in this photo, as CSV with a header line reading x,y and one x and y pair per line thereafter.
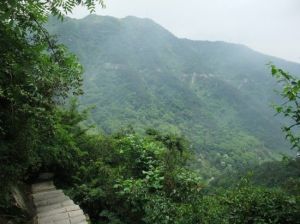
x,y
269,26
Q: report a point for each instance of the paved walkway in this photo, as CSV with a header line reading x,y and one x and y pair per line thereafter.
x,y
54,207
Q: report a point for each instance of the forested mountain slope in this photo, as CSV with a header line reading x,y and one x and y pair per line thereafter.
x,y
216,94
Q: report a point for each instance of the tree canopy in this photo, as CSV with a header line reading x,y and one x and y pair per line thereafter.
x,y
36,74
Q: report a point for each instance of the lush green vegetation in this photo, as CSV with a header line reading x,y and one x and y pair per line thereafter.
x,y
129,176
126,178
36,75
217,95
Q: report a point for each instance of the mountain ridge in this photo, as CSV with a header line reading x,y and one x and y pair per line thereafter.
x,y
217,94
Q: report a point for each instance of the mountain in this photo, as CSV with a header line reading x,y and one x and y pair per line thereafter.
x,y
216,94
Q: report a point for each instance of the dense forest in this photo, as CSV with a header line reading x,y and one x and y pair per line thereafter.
x,y
218,95
181,131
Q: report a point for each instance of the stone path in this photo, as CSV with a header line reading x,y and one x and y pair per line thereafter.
x,y
54,207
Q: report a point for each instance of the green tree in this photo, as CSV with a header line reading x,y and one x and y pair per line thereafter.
x,y
290,93
36,75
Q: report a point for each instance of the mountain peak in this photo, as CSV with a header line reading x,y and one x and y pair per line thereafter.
x,y
137,72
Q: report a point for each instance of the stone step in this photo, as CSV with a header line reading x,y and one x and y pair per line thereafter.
x,y
54,206
44,186
58,211
65,220
74,215
78,219
47,195
53,191
51,201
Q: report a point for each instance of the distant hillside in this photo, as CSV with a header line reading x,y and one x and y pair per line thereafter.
x,y
216,94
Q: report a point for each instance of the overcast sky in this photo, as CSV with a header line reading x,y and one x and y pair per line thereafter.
x,y
269,26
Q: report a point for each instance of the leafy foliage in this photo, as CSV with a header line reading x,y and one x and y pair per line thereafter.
x,y
290,108
37,74
127,178
123,172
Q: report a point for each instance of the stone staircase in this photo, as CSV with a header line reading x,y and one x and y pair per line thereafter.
x,y
54,207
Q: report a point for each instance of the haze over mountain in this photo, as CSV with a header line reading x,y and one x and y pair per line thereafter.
x,y
216,94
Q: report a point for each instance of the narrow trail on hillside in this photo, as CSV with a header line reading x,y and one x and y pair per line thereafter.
x,y
54,207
